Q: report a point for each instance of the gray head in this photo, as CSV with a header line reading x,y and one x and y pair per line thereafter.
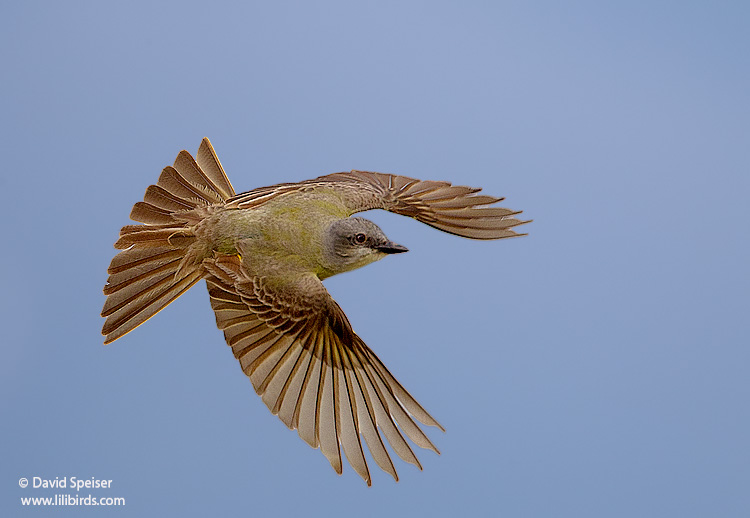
x,y
355,242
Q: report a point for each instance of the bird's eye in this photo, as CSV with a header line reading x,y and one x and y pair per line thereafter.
x,y
360,238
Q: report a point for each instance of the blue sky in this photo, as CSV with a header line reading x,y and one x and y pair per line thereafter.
x,y
597,367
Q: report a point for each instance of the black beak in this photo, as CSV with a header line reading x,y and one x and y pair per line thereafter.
x,y
389,247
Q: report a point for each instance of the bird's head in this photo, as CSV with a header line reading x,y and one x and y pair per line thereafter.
x,y
355,242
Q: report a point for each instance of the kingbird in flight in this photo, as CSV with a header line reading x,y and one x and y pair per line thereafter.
x,y
263,254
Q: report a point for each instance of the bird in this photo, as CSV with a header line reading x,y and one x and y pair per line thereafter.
x,y
264,254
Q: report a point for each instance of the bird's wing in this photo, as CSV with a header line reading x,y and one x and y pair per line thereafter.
x,y
452,208
312,370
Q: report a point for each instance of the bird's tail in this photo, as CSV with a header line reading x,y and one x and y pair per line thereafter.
x,y
160,260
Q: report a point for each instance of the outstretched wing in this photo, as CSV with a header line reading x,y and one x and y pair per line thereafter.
x,y
312,370
455,209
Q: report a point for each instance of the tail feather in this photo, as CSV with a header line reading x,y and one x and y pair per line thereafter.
x,y
149,214
153,299
188,168
122,295
189,192
165,200
147,237
158,261
138,258
210,165
125,278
